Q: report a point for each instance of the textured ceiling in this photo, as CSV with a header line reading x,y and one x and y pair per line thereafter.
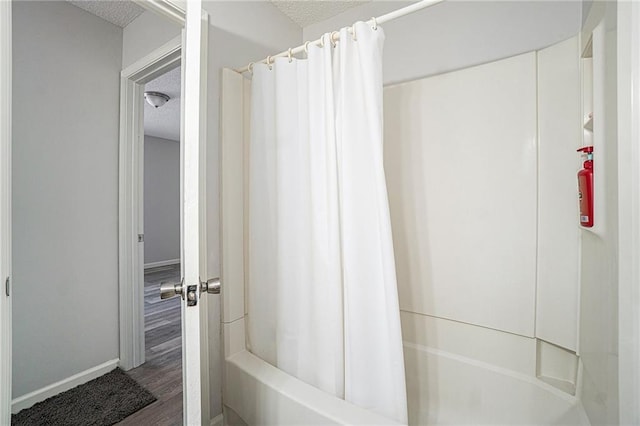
x,y
164,122
118,12
307,12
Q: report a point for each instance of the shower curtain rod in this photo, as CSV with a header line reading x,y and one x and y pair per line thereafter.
x,y
335,36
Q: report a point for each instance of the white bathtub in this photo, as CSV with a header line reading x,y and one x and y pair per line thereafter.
x,y
257,393
261,394
445,388
456,374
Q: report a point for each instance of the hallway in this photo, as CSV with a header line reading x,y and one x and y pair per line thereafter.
x,y
162,371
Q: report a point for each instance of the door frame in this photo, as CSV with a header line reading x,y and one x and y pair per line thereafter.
x,y
174,10
628,211
5,211
130,197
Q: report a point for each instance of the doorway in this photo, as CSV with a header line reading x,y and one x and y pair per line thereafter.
x,y
161,372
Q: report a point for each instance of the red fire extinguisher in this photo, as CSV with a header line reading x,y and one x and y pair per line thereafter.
x,y
585,187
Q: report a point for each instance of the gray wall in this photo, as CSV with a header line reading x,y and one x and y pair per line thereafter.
x,y
459,34
161,200
66,65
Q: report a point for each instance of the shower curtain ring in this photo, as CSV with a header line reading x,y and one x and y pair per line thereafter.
x,y
322,40
306,48
334,42
250,68
290,56
269,62
353,32
375,23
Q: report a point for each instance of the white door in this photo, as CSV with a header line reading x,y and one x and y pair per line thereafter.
x,y
5,212
194,312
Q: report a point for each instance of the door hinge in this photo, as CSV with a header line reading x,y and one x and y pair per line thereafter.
x,y
7,287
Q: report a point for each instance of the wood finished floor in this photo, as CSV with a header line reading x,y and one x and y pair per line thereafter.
x,y
161,373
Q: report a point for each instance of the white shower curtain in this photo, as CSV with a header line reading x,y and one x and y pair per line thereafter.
x,y
322,296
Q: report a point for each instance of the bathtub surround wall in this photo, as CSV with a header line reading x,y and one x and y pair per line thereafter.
x,y
557,274
485,224
463,197
599,245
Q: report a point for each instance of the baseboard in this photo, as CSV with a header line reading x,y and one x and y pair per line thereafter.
x,y
217,420
161,263
27,400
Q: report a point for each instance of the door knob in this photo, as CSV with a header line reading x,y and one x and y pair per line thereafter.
x,y
168,290
212,286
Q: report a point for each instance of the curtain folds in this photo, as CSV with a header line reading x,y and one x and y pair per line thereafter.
x,y
322,295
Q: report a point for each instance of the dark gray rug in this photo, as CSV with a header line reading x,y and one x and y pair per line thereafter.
x,y
102,401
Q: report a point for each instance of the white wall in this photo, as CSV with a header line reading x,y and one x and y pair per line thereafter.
x,y
239,32
161,200
458,34
65,181
255,22
145,34
598,344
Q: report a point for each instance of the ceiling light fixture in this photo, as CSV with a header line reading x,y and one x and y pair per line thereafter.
x,y
156,99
